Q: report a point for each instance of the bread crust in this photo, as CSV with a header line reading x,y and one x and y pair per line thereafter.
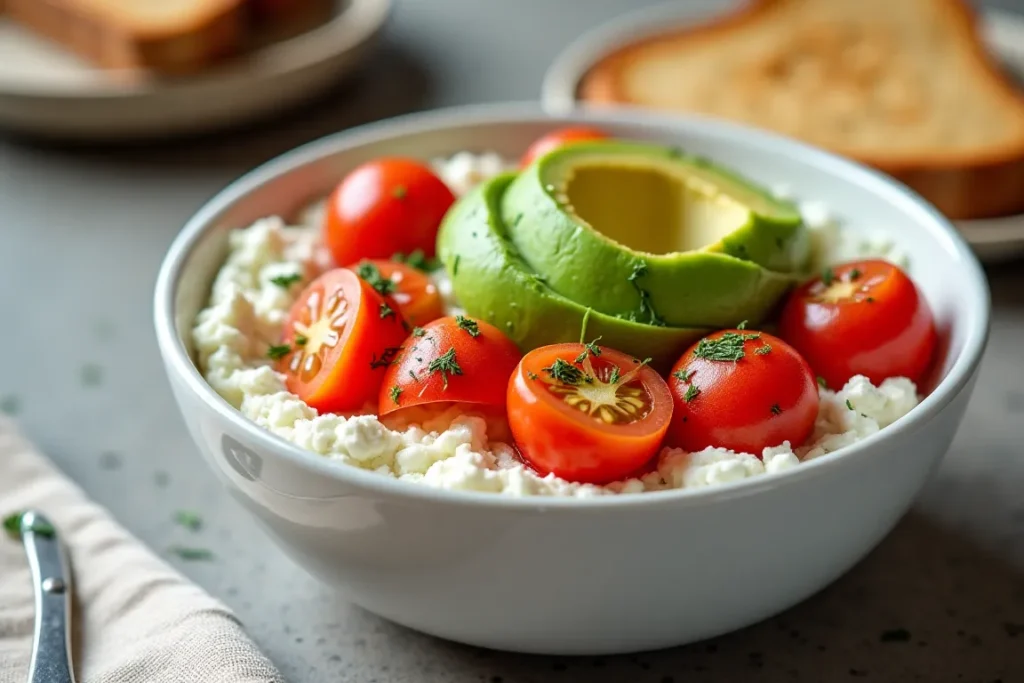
x,y
981,183
180,48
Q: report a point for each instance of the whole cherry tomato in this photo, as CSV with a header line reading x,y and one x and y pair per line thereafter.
x,y
862,318
339,338
385,206
587,413
451,360
558,138
412,291
744,391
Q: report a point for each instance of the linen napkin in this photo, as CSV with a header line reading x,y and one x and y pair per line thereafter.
x,y
135,619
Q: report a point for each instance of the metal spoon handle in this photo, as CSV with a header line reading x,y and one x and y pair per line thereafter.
x,y
51,651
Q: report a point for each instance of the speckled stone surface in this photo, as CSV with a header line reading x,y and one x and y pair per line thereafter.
x,y
83,231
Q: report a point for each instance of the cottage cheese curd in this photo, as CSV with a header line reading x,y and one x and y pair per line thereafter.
x,y
245,315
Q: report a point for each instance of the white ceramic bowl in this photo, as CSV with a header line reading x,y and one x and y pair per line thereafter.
x,y
569,576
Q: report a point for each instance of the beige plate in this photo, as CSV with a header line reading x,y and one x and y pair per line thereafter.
x,y
46,91
993,240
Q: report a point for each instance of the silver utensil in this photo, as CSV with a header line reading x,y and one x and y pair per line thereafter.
x,y
51,576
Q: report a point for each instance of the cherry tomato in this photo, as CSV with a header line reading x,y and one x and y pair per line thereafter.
x,y
410,290
557,138
383,207
587,413
450,360
863,318
744,391
339,338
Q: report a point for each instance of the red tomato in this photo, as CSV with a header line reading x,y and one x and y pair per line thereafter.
x,y
411,291
385,206
587,413
744,391
450,360
339,338
863,318
557,138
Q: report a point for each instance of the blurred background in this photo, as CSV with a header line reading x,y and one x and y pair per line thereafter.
x,y
108,145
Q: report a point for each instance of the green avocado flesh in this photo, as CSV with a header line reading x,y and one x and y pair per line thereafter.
x,y
493,283
650,234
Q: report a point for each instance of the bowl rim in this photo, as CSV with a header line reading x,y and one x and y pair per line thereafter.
x,y
179,363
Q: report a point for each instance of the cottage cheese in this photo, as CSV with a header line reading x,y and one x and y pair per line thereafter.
x,y
452,451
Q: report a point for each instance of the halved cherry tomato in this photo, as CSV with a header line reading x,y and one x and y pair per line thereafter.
x,y
339,338
454,359
863,318
557,138
587,413
385,206
411,290
744,391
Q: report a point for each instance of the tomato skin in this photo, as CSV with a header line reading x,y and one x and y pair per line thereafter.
x,y
744,405
352,370
385,206
556,438
882,327
415,295
557,138
485,362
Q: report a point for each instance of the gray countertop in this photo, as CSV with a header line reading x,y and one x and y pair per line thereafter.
x,y
84,229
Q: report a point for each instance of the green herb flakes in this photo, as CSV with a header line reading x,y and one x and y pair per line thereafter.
x,y
614,377
764,349
13,525
188,519
418,260
822,383
849,405
566,373
742,325
191,554
286,281
727,347
386,311
646,308
854,275
828,277
532,375
418,331
776,409
446,364
395,392
278,351
399,192
683,375
300,340
455,265
692,392
467,324
369,272
387,357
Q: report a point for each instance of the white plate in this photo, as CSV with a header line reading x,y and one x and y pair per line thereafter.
x,y
47,91
993,240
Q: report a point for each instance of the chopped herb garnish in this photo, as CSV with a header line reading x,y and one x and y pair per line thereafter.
x,y
386,311
590,347
278,351
531,374
395,392
764,349
895,635
399,192
286,281
13,525
371,273
413,375
849,405
855,274
639,270
446,365
566,373
683,375
742,325
418,260
870,299
455,265
418,331
822,383
387,357
468,325
92,375
191,554
188,519
614,378
776,409
828,277
692,392
300,340
728,347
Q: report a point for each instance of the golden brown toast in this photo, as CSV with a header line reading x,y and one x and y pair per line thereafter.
x,y
168,36
905,86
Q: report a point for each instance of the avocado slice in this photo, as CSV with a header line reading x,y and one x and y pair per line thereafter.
x,y
492,282
652,234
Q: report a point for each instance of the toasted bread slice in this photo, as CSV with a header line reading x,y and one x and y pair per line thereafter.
x,y
905,86
169,36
